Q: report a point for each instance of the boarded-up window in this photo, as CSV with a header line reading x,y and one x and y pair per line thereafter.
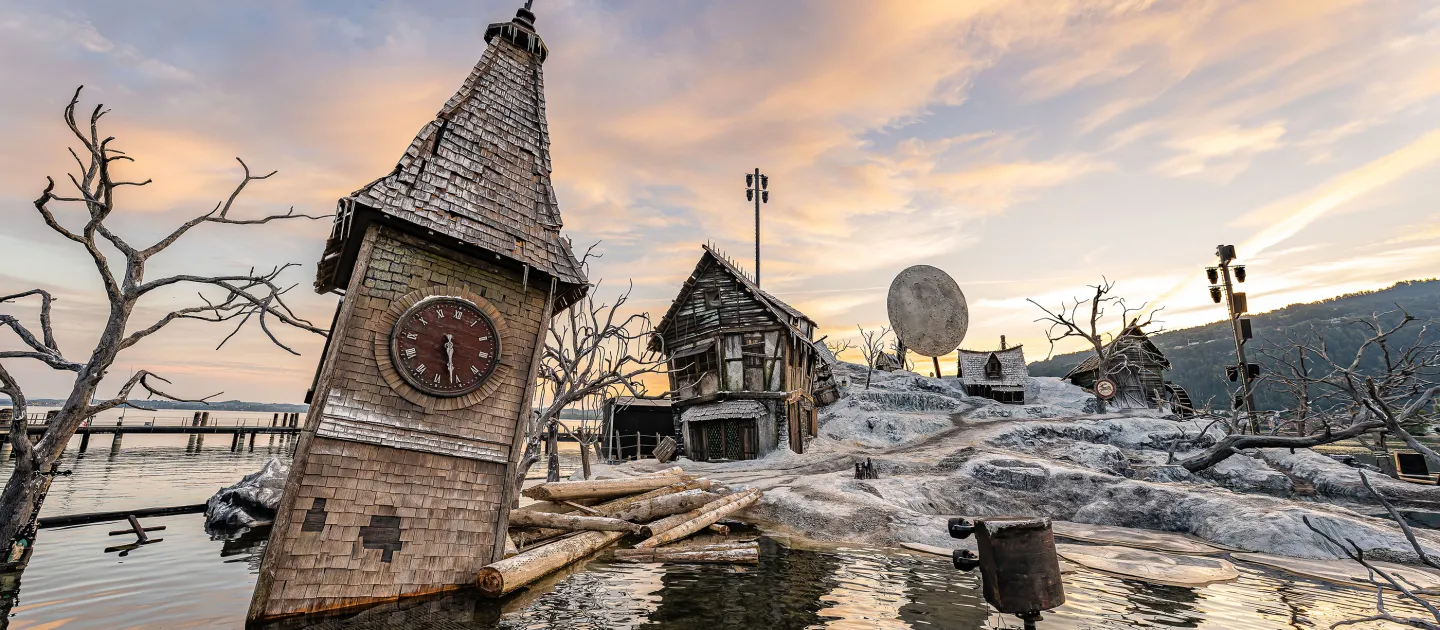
x,y
753,350
696,374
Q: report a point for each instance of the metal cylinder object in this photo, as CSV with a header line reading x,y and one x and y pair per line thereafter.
x,y
1020,572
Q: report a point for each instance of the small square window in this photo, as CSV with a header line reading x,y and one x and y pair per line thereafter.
x,y
712,298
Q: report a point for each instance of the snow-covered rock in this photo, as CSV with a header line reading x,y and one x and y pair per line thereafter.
x,y
1248,474
250,502
1336,480
859,422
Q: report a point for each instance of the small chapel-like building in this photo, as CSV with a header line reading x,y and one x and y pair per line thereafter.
x,y
999,375
1137,368
743,365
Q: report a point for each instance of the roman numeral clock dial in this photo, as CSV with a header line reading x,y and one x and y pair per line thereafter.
x,y
444,346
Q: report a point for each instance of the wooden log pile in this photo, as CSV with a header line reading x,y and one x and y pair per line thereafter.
x,y
571,520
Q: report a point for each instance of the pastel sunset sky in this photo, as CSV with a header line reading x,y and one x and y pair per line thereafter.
x,y
1027,148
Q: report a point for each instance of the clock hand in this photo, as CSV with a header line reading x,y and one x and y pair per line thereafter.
x,y
450,357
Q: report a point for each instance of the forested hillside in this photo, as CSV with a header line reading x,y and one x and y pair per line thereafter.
x,y
1198,355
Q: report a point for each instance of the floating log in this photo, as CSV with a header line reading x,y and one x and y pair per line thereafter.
x,y
657,507
571,522
736,553
599,488
708,516
505,576
100,517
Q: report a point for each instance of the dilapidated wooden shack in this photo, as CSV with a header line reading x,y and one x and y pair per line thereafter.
x,y
1137,366
632,426
999,375
742,363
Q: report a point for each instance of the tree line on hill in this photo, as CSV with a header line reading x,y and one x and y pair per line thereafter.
x,y
1199,355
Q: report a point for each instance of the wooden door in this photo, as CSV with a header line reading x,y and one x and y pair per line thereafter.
x,y
797,435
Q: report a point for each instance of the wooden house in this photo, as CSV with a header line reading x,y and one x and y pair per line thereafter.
x,y
743,365
999,375
631,427
1137,368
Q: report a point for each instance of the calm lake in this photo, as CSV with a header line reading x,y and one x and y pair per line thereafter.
x,y
191,580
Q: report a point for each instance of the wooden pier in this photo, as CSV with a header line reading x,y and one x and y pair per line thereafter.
x,y
199,424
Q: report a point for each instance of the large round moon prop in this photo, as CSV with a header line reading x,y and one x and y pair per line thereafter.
x,y
928,311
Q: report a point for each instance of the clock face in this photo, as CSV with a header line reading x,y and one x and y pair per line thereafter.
x,y
444,346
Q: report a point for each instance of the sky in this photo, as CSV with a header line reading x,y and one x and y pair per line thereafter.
x,y
1028,149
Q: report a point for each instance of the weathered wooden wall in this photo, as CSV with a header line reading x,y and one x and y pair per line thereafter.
x,y
383,492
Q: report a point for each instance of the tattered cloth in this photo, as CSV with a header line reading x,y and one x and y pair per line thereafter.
x,y
251,502
728,410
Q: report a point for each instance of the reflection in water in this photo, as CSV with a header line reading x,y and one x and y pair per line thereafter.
x,y
866,593
782,592
194,579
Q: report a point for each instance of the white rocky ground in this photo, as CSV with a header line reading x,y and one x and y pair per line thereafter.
x,y
941,454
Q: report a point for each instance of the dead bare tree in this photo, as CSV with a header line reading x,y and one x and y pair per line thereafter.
x,y
840,345
1342,401
872,347
1070,321
234,298
1403,587
591,350
901,352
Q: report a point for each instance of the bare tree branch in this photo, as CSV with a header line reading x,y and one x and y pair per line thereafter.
x,y
1337,401
872,347
1065,322
592,351
256,294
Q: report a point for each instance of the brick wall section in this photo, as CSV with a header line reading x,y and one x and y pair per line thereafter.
x,y
447,506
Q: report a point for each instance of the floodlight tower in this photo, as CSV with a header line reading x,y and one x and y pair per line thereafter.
x,y
755,190
1243,371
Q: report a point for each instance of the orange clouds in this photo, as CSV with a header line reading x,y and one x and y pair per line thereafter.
x,y
1019,141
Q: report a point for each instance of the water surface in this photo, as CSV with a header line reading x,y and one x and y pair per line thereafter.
x,y
194,580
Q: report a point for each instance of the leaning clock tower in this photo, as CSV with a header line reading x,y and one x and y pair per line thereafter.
x,y
450,267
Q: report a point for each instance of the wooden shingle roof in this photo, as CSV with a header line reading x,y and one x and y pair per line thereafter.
x,y
1013,369
480,172
782,312
1128,337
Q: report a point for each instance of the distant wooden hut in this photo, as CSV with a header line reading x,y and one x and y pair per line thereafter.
x,y
887,362
827,387
631,427
1137,368
743,365
999,375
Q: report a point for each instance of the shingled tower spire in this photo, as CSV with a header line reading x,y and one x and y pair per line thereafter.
x,y
451,267
479,173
